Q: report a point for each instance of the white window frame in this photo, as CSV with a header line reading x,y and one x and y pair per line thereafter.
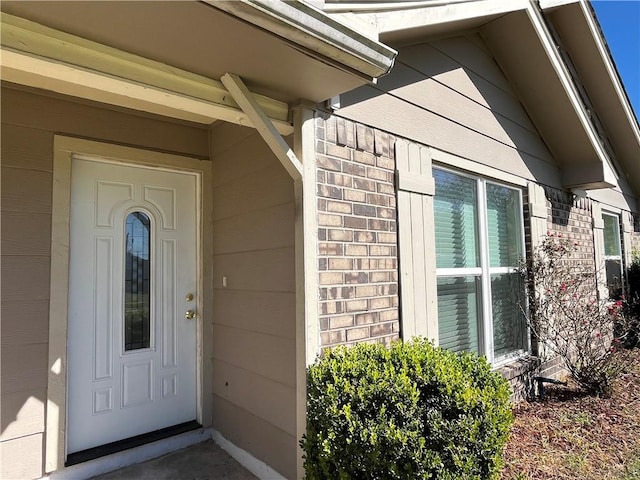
x,y
619,256
485,270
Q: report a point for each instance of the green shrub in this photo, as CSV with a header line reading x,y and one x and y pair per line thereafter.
x,y
411,411
632,305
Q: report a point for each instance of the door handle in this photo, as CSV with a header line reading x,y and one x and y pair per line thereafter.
x,y
190,314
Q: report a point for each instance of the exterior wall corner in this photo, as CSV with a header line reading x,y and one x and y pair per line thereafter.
x,y
357,233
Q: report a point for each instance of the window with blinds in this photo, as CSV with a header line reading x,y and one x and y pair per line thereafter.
x,y
613,255
479,242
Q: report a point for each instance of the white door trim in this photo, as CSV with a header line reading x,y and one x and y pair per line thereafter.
x,y
64,148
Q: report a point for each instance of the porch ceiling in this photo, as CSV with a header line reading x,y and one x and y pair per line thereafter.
x,y
200,38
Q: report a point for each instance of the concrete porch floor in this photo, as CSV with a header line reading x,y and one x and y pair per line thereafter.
x,y
203,461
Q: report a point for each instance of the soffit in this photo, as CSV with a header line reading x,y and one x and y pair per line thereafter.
x,y
516,47
420,34
405,22
198,38
528,55
580,37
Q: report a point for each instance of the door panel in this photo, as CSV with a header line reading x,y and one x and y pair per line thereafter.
x,y
133,275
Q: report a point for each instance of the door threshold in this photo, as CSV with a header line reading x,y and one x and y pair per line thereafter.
x,y
134,455
128,443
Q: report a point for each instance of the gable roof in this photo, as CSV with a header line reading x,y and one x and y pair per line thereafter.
x,y
556,59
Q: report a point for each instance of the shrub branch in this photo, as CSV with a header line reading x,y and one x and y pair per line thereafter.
x,y
567,317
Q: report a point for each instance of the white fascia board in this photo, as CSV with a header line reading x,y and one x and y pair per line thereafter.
x,y
42,57
382,6
37,72
551,4
314,32
425,14
548,44
614,78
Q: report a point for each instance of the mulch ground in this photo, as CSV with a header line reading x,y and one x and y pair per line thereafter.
x,y
569,435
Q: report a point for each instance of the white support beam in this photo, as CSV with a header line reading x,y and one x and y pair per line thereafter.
x,y
243,97
306,253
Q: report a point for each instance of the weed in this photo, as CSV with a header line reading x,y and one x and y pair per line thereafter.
x,y
579,419
633,470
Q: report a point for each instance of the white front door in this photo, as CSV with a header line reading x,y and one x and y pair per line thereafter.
x,y
132,276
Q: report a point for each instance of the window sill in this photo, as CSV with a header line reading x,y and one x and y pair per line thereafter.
x,y
515,367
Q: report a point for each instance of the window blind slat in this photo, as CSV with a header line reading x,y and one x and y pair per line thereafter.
x,y
504,226
455,221
458,313
461,301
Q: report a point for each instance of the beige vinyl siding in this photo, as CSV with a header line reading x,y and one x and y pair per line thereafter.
x,y
621,196
21,458
29,122
442,100
26,232
258,435
254,315
103,122
451,95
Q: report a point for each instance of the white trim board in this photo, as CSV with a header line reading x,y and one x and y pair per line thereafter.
x,y
244,458
306,265
475,168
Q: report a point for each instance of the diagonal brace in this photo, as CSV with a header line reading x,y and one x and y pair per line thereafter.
x,y
245,99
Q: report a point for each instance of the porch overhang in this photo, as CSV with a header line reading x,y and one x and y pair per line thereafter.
x,y
318,34
166,58
41,57
520,35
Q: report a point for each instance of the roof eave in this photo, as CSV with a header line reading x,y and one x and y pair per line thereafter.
x,y
581,155
404,22
577,26
551,96
314,32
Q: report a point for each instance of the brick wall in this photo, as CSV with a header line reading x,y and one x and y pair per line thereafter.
x,y
357,235
522,372
570,217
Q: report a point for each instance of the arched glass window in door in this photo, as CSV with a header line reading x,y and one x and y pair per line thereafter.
x,y
137,282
